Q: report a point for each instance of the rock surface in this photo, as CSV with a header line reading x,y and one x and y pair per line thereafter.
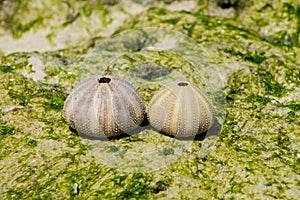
x,y
254,46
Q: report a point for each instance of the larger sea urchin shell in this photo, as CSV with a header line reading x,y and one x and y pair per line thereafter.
x,y
180,109
104,106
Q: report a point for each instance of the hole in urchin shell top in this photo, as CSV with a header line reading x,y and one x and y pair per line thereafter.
x,y
104,80
182,84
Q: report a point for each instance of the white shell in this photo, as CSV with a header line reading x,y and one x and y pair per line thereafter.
x,y
180,109
104,106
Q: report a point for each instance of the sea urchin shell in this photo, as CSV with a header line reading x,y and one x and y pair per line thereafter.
x,y
180,109
104,106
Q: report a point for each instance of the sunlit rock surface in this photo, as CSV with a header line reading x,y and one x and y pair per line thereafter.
x,y
254,46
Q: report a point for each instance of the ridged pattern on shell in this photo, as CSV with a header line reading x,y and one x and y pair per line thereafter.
x,y
104,106
180,109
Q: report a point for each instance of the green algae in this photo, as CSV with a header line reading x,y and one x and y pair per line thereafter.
x,y
256,155
39,18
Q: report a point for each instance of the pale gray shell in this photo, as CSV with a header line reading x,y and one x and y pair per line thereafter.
x,y
180,109
104,106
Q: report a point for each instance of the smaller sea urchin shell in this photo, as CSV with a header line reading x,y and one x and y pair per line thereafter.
x,y
180,109
104,106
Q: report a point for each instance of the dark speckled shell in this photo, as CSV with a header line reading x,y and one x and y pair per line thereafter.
x,y
104,106
180,109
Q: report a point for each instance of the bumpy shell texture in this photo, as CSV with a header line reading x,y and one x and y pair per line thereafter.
x,y
104,106
180,109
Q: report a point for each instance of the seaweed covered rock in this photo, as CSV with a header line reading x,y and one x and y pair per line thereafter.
x,y
256,154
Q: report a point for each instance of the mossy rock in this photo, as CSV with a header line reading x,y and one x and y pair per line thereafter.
x,y
255,156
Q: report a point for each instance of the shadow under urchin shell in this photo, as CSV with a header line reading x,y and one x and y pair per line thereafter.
x,y
214,130
143,126
84,136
